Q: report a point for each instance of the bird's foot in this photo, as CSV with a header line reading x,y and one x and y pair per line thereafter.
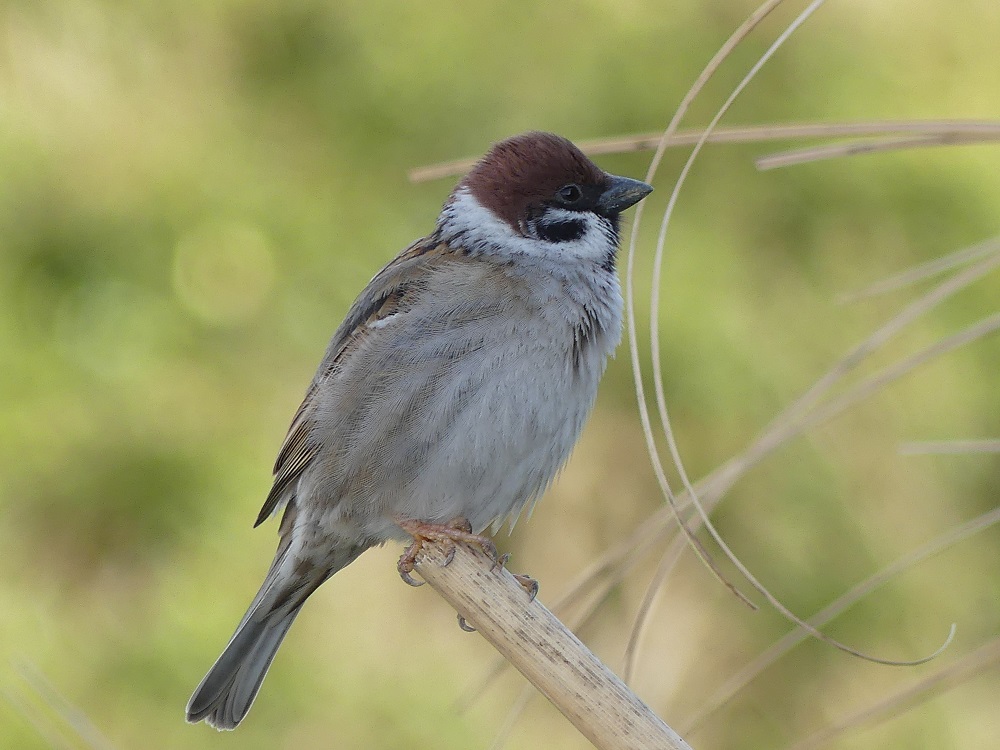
x,y
455,531
529,584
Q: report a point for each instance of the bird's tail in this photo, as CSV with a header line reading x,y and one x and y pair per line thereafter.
x,y
225,695
228,690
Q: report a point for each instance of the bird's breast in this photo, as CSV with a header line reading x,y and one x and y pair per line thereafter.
x,y
468,401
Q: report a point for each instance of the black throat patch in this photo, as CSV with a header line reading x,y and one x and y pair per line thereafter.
x,y
563,230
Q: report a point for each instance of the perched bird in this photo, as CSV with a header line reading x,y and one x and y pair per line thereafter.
x,y
451,394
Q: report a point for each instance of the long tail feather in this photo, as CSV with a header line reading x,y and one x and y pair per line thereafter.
x,y
228,690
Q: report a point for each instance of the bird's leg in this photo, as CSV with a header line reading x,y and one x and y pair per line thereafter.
x,y
456,530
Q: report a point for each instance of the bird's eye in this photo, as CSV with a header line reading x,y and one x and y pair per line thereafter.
x,y
569,194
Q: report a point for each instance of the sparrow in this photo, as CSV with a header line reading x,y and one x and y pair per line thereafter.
x,y
451,394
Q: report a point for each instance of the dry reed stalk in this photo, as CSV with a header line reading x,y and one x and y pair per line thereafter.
x,y
552,659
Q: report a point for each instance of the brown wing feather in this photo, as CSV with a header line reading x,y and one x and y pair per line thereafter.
x,y
383,297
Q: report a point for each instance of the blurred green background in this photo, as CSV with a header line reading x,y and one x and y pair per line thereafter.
x,y
191,195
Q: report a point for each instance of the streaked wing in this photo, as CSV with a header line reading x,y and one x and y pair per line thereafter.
x,y
384,296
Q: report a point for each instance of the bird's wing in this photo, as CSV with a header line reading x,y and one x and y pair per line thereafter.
x,y
384,296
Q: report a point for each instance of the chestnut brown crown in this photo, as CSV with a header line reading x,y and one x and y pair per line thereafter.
x,y
526,171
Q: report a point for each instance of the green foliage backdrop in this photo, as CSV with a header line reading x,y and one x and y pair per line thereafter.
x,y
191,194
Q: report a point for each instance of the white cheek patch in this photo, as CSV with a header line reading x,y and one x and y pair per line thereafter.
x,y
464,221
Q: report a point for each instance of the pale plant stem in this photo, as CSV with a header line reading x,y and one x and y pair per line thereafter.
x,y
73,728
859,148
658,376
924,271
783,430
658,379
614,564
713,488
513,714
883,335
984,657
53,736
717,484
728,690
720,481
538,645
947,130
867,387
949,447
643,616
575,623
737,36
617,571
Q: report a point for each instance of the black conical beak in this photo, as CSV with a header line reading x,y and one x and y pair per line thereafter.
x,y
621,193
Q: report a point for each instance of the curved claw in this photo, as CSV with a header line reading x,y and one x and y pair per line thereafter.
x,y
464,625
488,547
529,584
404,573
405,564
500,562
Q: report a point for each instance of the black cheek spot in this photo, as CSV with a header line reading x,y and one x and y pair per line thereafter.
x,y
560,231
